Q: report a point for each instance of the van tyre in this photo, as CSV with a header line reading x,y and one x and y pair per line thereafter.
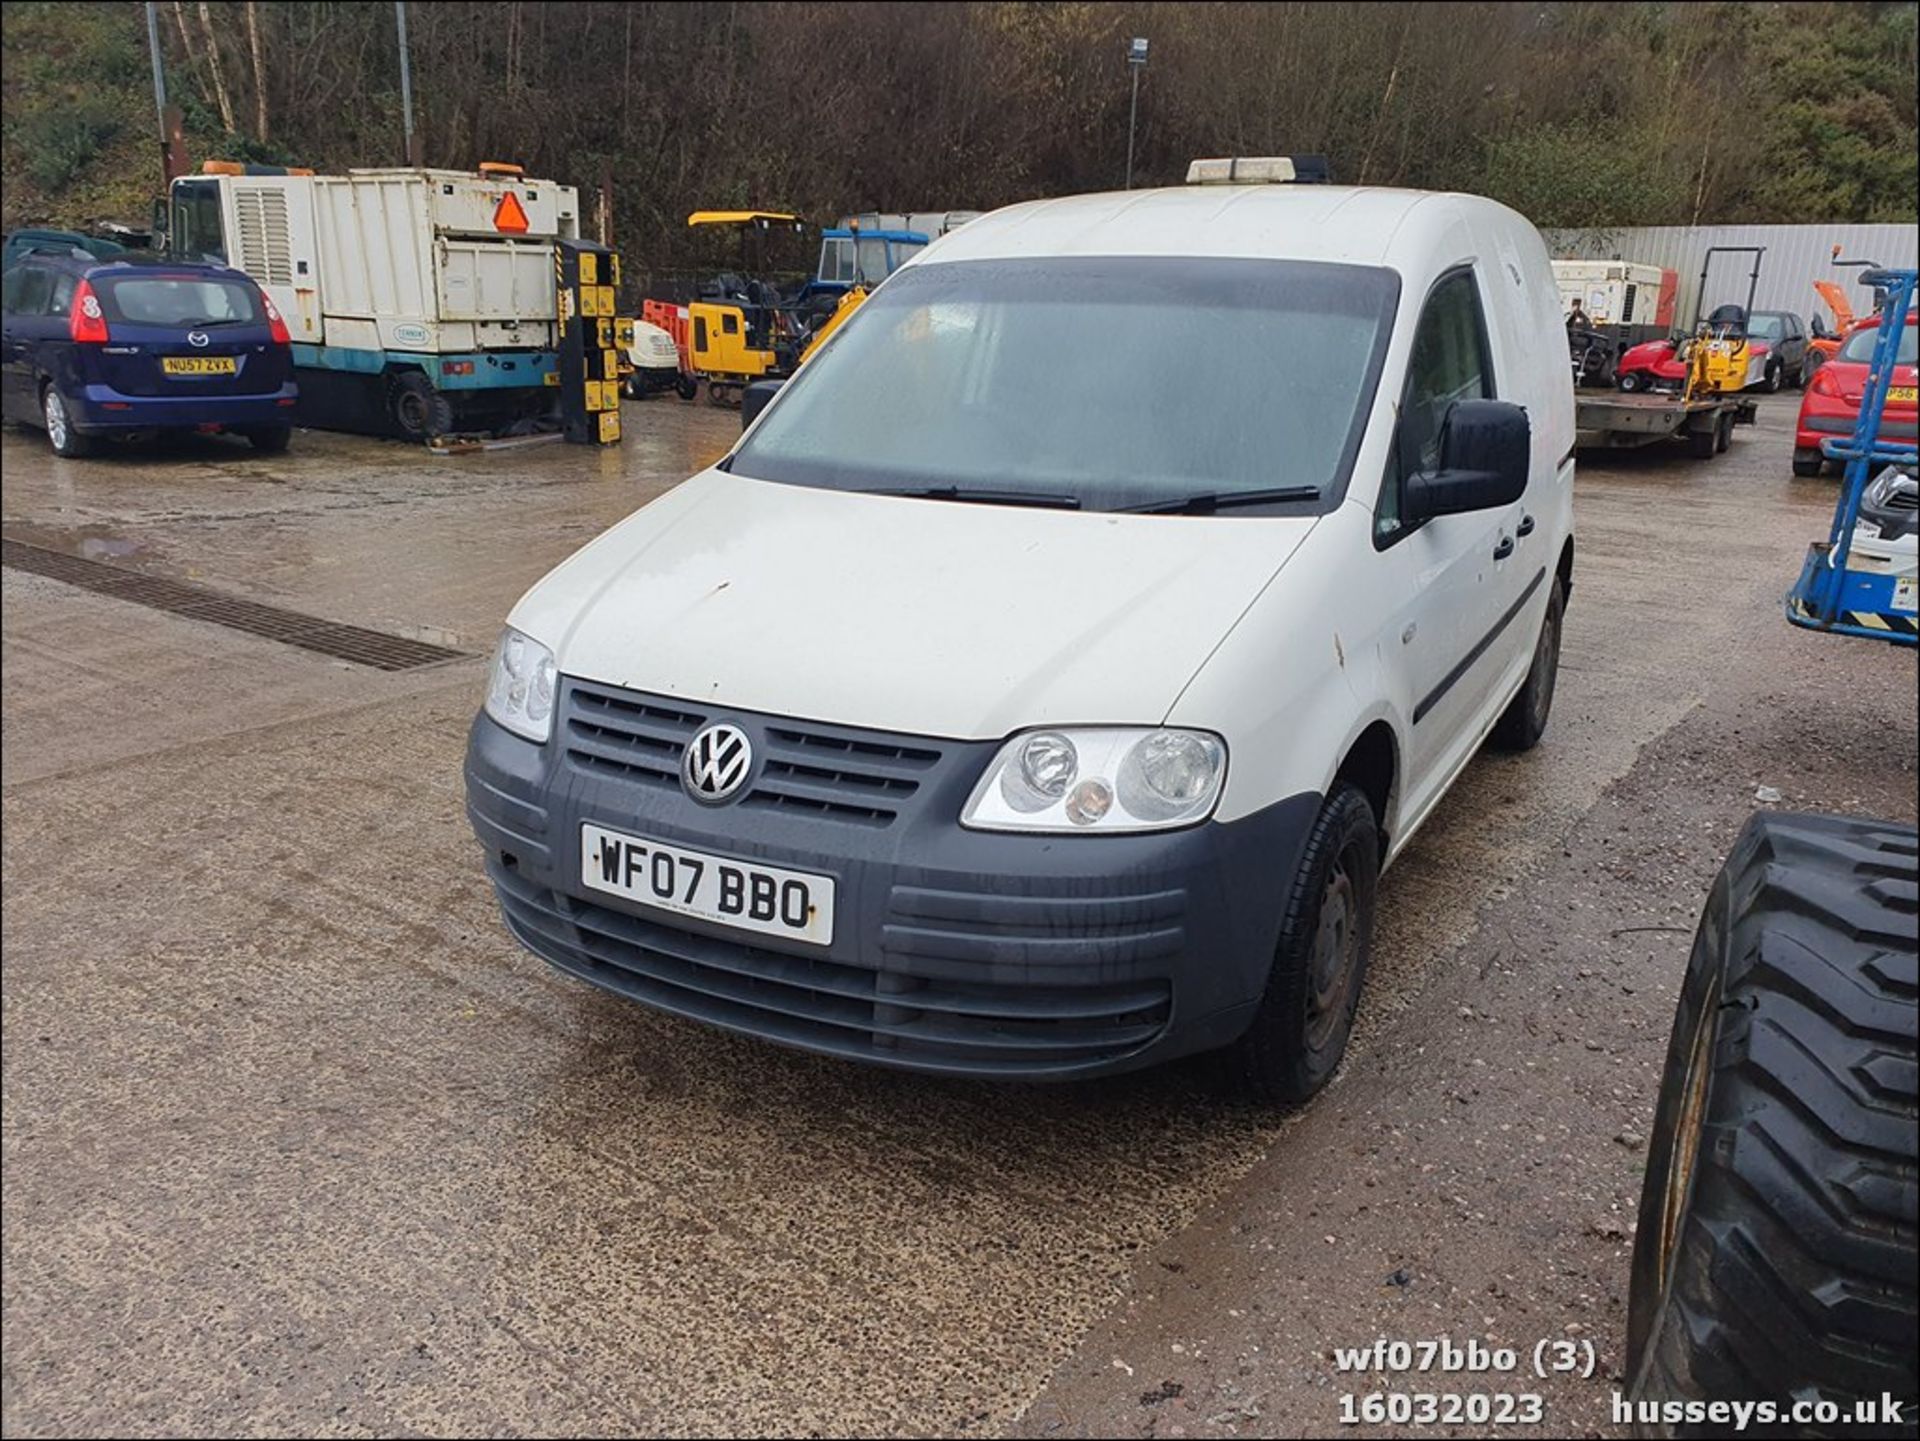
x,y
1776,1253
270,439
419,411
1300,1028
57,420
1524,720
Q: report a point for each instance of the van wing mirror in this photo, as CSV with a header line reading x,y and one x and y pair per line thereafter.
x,y
754,399
1485,452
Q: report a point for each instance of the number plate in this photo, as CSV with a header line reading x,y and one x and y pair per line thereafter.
x,y
1902,394
691,883
198,365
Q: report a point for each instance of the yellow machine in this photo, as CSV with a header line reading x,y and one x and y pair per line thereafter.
x,y
741,329
1718,359
849,302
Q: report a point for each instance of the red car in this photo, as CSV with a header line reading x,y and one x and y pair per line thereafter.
x,y
1830,405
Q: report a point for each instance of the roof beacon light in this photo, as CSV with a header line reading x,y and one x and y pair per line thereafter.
x,y
1242,170
1262,170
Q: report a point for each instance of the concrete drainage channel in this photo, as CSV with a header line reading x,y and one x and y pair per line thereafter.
x,y
345,642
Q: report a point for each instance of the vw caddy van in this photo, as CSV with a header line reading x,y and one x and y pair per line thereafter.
x,y
1041,685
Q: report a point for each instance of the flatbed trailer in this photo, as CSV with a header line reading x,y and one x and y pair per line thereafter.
x,y
1623,421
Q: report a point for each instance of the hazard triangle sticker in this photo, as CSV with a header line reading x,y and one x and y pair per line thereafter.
x,y
508,217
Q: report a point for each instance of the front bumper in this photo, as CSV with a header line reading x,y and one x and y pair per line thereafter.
x,y
954,951
100,409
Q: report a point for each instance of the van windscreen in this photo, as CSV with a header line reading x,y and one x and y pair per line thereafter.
x,y
1123,382
188,301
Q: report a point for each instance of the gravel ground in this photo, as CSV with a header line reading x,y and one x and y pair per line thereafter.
x,y
297,1141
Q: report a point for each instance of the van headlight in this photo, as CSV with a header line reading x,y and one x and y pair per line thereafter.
x,y
521,686
1099,779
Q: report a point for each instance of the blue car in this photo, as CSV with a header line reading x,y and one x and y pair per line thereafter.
x,y
96,349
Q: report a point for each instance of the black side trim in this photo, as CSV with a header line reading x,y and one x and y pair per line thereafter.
x,y
1466,662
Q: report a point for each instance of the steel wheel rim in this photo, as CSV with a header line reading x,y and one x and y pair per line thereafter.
x,y
412,411
1545,659
1330,966
56,412
1683,1158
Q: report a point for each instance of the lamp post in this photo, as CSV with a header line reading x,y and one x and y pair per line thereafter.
x,y
406,82
1136,62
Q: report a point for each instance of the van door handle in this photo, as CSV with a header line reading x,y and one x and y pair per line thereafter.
x,y
1504,549
1525,528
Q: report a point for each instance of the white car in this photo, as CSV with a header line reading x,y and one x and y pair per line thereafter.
x,y
1042,683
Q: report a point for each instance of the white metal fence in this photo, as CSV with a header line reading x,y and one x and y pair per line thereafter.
x,y
1796,256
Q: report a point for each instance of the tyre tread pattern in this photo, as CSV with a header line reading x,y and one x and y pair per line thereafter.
x,y
1796,1265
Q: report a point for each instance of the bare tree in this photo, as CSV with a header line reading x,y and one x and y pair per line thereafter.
x,y
259,73
213,68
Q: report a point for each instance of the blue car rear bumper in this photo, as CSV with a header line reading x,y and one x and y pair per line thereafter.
x,y
100,409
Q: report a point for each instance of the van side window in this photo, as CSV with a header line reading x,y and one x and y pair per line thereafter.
x,y
1450,362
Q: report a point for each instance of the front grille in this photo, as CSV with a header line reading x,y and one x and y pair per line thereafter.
x,y
971,1025
825,771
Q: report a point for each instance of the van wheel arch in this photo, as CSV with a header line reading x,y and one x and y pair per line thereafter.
x,y
1565,570
1372,765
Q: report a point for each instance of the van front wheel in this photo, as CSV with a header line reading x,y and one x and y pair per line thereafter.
x,y
1299,1032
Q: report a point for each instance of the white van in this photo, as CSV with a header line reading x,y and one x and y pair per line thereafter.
x,y
1040,686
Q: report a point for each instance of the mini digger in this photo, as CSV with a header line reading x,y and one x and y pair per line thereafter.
x,y
1716,359
741,327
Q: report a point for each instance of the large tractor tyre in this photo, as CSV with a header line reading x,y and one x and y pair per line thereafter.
x,y
1808,462
1776,1250
1299,1032
419,411
1524,720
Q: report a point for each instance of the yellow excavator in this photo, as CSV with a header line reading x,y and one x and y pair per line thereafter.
x,y
740,327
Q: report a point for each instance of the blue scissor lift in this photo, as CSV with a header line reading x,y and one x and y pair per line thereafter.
x,y
1830,595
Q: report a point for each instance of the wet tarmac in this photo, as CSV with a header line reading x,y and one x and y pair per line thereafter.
x,y
298,1141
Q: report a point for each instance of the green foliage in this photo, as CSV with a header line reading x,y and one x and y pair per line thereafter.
x,y
1632,112
61,142
1574,175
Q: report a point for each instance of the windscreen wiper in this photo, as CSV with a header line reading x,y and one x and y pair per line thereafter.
x,y
1207,502
1051,500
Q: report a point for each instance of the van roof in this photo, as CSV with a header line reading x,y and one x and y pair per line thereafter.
x,y
1360,225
